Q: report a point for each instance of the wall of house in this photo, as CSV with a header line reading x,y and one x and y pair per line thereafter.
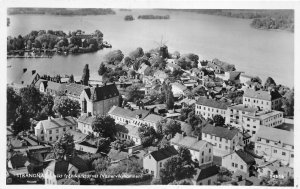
x,y
86,149
244,79
205,154
52,135
102,107
275,150
209,112
233,163
263,104
137,140
150,165
50,178
208,181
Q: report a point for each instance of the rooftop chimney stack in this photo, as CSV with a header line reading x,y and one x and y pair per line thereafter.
x,y
24,70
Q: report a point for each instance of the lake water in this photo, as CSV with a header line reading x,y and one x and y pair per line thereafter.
x,y
257,52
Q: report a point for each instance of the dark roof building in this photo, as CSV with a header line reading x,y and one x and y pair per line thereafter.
x,y
220,131
206,173
164,153
213,103
102,92
246,157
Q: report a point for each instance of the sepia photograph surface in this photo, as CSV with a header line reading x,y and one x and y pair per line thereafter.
x,y
149,96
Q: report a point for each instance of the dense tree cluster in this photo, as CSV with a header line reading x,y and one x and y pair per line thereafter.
x,y
65,106
168,127
121,144
105,126
147,134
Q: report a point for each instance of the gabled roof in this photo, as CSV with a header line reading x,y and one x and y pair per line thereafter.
x,y
213,103
142,68
273,134
180,86
153,118
77,136
79,163
54,86
262,95
234,75
220,131
117,155
247,158
206,172
19,160
56,123
164,153
86,119
102,92
61,167
73,89
126,113
243,107
188,142
27,78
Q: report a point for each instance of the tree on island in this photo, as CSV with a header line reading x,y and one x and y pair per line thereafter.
x,y
86,75
269,83
128,18
71,79
102,69
218,120
105,126
64,106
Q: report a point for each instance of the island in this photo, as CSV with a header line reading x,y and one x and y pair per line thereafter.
x,y
149,16
61,11
128,18
42,44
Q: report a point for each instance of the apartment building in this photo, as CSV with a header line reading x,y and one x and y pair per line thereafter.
x,y
275,144
235,113
209,107
252,121
265,100
224,140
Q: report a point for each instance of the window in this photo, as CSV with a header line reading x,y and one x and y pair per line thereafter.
x,y
64,129
267,141
57,130
202,160
220,139
283,153
226,147
254,126
209,158
226,140
242,167
42,132
232,164
42,138
248,119
292,155
253,132
209,182
160,164
209,150
210,136
203,153
50,132
275,151
50,138
220,146
56,137
205,135
152,172
236,165
71,127
149,157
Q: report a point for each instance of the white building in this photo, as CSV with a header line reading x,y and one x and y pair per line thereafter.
x,y
252,121
265,100
51,129
210,107
275,144
154,161
235,113
200,150
224,140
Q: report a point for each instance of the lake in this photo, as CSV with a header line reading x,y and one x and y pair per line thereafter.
x,y
256,52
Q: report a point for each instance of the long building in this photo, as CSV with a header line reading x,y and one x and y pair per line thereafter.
x,y
209,107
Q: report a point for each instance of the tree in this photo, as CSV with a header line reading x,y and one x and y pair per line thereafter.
x,y
176,55
147,134
71,79
177,169
269,83
134,93
86,75
185,155
169,127
256,79
120,144
218,120
46,106
64,106
184,112
13,101
105,126
101,164
170,99
102,69
103,144
31,98
137,53
22,121
163,143
288,103
114,57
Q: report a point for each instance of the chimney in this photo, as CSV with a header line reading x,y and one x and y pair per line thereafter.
x,y
24,70
33,71
97,85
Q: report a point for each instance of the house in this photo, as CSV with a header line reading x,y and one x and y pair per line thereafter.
x,y
217,69
252,121
239,160
87,146
200,150
241,178
206,176
161,75
98,100
50,87
85,124
128,132
265,100
209,107
154,160
245,78
199,73
231,76
220,66
235,113
178,89
275,169
224,140
172,67
73,90
59,169
51,129
152,120
77,136
27,78
202,64
142,68
275,144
